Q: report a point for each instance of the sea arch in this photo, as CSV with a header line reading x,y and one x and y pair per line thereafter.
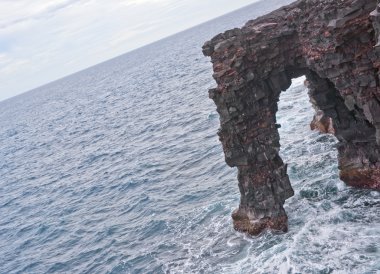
x,y
334,44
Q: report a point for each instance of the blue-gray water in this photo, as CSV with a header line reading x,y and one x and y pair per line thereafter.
x,y
118,169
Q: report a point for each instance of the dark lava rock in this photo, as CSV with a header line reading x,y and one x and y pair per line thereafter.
x,y
336,45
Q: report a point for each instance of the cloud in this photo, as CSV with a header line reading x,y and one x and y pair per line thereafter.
x,y
18,12
42,40
14,66
142,2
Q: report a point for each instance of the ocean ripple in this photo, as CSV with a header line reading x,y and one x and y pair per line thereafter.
x,y
118,169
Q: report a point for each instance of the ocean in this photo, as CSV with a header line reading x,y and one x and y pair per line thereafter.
x,y
118,169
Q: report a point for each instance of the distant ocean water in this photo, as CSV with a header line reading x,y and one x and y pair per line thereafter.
x,y
118,169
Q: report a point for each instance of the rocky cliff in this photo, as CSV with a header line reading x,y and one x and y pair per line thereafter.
x,y
336,45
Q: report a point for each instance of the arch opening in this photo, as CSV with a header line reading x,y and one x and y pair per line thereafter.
x,y
263,180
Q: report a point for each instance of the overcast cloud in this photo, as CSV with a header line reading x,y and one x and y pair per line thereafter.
x,y
43,40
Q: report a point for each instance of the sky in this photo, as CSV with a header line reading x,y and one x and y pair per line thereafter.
x,y
44,40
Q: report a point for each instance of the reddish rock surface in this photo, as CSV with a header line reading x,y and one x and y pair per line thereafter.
x,y
322,123
335,44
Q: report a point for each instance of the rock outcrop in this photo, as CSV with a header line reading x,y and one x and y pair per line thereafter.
x,y
336,45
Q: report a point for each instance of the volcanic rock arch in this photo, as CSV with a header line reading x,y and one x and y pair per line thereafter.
x,y
335,45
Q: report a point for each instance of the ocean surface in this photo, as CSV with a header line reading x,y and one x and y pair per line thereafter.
x,y
118,169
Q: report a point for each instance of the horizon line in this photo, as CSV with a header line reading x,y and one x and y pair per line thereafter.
x,y
128,52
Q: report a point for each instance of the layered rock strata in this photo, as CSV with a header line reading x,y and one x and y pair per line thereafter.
x,y
336,45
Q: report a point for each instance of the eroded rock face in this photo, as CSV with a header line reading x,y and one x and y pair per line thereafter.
x,y
336,45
